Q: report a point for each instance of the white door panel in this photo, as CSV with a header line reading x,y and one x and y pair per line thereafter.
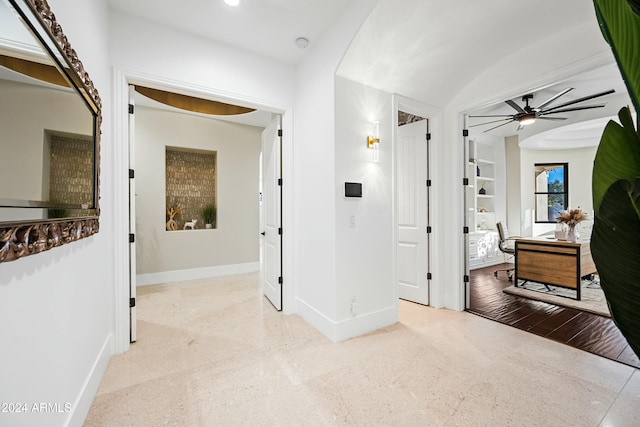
x,y
270,207
412,212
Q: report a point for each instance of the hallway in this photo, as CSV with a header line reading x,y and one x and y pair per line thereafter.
x,y
214,352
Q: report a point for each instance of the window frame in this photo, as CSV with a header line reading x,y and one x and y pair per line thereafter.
x,y
565,193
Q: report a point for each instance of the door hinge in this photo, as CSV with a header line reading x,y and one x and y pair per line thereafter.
x,y
132,302
428,183
280,132
429,276
466,278
429,136
280,182
428,229
280,231
280,280
465,181
132,238
131,108
465,132
131,174
465,230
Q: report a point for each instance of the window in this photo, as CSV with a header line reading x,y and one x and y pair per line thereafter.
x,y
551,190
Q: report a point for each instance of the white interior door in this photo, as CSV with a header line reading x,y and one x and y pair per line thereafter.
x,y
413,212
271,219
132,219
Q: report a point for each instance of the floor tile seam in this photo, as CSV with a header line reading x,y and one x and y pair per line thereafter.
x,y
613,402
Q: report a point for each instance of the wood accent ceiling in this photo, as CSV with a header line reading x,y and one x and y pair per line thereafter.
x,y
44,72
190,103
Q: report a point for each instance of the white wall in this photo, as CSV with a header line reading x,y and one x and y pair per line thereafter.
x,y
56,308
364,252
160,53
513,191
315,173
235,240
580,167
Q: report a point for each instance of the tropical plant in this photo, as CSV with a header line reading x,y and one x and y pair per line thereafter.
x,y
615,241
208,213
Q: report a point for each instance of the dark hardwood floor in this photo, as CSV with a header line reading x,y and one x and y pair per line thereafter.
x,y
585,331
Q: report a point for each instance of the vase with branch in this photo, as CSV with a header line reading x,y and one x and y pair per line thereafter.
x,y
571,218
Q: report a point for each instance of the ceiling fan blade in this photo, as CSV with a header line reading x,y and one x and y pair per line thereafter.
x,y
496,127
553,98
552,118
575,101
515,106
492,121
494,115
586,107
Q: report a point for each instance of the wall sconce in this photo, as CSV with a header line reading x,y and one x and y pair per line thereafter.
x,y
373,141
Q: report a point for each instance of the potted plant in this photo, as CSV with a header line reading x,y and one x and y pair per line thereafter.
x,y
209,215
615,240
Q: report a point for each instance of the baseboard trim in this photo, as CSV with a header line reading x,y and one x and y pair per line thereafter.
x,y
196,273
348,328
80,408
316,319
369,322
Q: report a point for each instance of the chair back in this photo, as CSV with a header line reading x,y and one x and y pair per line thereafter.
x,y
503,233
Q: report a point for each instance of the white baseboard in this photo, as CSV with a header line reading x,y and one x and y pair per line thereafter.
x,y
196,273
81,406
369,322
316,319
349,328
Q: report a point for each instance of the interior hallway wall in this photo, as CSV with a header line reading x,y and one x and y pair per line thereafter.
x,y
236,237
364,226
56,308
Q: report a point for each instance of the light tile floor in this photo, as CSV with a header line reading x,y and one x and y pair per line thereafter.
x,y
215,353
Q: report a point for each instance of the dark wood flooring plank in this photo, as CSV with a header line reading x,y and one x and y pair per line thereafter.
x,y
586,331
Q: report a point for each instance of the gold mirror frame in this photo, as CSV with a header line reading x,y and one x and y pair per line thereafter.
x,y
22,238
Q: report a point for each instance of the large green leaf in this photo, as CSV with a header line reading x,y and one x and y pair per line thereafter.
x,y
615,241
618,156
614,247
620,26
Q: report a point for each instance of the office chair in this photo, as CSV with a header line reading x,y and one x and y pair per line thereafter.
x,y
506,247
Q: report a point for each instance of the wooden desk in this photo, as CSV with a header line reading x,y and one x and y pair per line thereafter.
x,y
553,262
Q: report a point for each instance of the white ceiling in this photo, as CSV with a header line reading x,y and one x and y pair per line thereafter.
x,y
581,129
401,47
264,27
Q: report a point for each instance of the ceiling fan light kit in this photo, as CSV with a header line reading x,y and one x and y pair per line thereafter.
x,y
527,115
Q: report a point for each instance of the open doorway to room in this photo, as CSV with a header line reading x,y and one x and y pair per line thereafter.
x,y
195,162
502,158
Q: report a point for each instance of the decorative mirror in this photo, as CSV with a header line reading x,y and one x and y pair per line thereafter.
x,y
50,115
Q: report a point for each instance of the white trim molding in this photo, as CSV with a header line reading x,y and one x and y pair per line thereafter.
x,y
196,273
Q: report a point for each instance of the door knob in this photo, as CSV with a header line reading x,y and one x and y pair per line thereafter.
x,y
264,233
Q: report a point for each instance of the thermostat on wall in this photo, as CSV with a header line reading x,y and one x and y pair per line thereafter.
x,y
352,189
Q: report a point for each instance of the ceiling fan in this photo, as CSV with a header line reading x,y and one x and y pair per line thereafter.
x,y
527,115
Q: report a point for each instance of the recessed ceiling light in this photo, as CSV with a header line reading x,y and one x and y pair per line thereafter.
x,y
302,42
232,2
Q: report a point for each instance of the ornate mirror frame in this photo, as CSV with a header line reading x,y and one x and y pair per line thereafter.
x,y
22,238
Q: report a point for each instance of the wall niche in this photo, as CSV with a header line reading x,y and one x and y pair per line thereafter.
x,y
190,188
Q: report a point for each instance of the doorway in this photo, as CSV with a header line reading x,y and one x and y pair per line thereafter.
x,y
123,273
